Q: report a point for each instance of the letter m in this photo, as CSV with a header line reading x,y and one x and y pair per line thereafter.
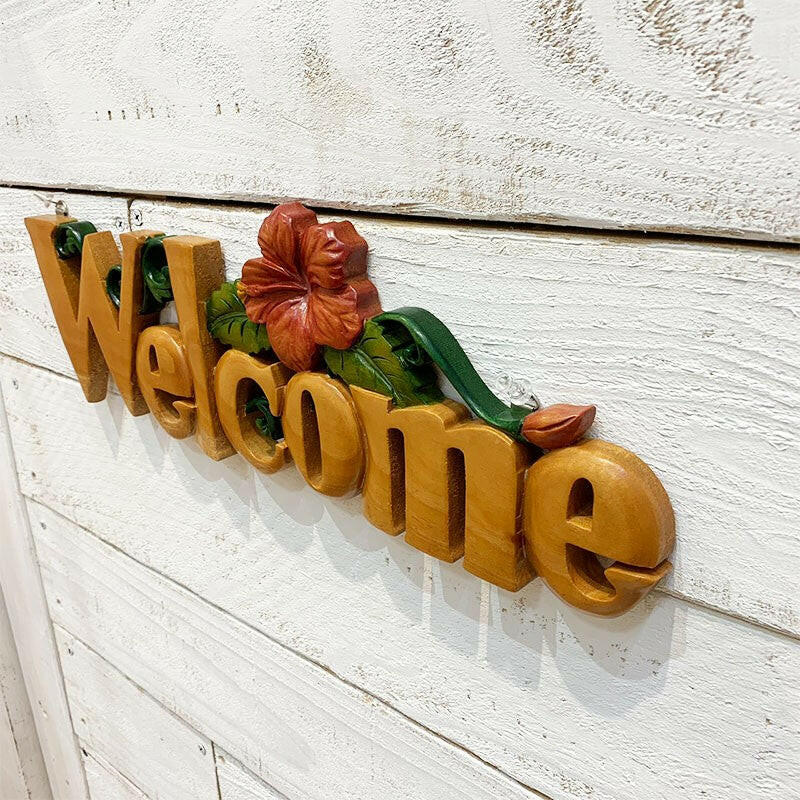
x,y
99,337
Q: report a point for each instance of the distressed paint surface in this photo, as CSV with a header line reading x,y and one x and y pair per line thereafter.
x,y
106,783
153,749
650,704
22,772
300,728
690,349
30,623
237,783
675,115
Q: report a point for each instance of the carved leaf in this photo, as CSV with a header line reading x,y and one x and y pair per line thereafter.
x,y
267,424
376,362
228,322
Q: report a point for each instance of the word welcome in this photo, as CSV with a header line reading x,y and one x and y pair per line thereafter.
x,y
591,519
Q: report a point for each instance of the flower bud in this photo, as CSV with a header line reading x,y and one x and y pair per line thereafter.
x,y
557,426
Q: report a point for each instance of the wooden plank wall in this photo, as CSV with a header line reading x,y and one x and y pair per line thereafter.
x,y
611,200
328,659
22,769
669,114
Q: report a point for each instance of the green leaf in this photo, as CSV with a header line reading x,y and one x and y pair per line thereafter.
x,y
387,362
228,322
267,424
114,284
69,238
155,270
155,273
156,286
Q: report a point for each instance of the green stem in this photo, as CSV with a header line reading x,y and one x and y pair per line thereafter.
x,y
432,335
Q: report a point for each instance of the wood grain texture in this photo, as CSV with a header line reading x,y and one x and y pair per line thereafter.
x,y
520,680
690,351
298,727
22,772
236,782
136,735
33,635
672,115
105,783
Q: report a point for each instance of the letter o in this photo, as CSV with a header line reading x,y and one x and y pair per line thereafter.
x,y
323,433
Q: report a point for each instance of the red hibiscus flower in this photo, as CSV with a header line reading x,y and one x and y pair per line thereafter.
x,y
310,286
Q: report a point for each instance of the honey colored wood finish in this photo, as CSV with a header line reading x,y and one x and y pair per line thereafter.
x,y
453,484
98,337
323,433
196,269
231,377
162,369
597,499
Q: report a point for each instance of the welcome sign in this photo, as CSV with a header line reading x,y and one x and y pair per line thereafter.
x,y
297,362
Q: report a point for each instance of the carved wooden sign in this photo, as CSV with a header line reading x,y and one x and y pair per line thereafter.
x,y
296,361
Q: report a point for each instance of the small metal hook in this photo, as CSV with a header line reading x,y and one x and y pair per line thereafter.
x,y
59,206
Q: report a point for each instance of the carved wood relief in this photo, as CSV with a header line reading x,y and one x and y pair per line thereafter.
x,y
298,362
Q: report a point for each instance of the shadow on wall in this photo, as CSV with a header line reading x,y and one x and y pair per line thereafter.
x,y
265,539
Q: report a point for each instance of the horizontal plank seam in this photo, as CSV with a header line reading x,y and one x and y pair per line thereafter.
x,y
16,359
634,234
691,601
414,722
213,750
221,752
102,760
130,680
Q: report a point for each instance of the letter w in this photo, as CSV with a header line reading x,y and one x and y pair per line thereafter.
x,y
98,336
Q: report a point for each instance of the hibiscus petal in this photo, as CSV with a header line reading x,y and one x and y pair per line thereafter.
x,y
279,235
261,275
267,284
337,315
290,335
332,253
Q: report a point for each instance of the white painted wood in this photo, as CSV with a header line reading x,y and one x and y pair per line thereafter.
x,y
22,771
669,701
143,741
236,782
299,727
12,778
672,116
30,623
690,351
105,783
27,327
